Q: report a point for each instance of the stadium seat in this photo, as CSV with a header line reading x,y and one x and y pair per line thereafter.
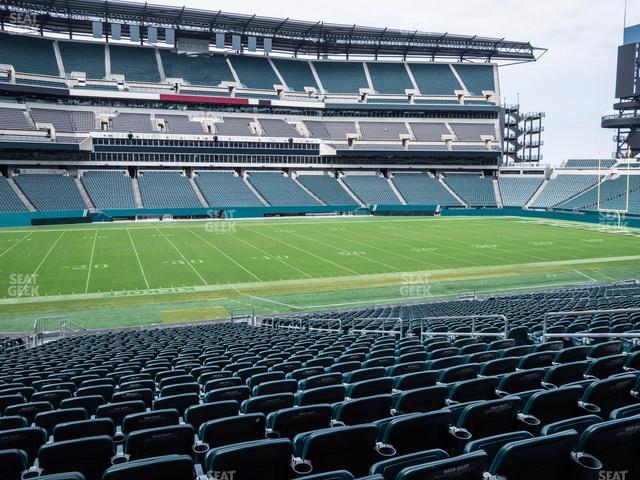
x,y
424,399
363,410
328,394
614,444
610,393
196,415
415,432
491,445
153,442
470,466
167,467
288,422
237,429
351,448
89,456
493,417
269,459
390,468
267,403
13,463
49,420
84,428
543,457
152,419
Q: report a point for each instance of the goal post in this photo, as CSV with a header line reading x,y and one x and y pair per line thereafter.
x,y
618,212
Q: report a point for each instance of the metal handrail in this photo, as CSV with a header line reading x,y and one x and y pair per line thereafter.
x,y
328,321
375,330
473,326
549,315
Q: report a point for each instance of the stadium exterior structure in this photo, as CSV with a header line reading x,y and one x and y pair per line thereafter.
x,y
274,117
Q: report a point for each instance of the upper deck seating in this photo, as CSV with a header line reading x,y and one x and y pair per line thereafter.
x,y
341,77
83,57
209,70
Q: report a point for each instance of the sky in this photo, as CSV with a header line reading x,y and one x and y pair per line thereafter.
x,y
573,83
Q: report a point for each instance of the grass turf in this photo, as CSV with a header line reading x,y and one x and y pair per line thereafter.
x,y
116,275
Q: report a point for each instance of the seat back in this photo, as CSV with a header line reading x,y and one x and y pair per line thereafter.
x,y
350,448
289,422
174,467
237,429
257,460
615,443
196,415
426,399
493,417
84,428
391,467
536,458
89,456
470,466
153,442
151,419
415,432
363,410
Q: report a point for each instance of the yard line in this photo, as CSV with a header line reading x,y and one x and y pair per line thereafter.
x,y
273,301
135,250
93,248
32,276
227,256
338,249
264,252
8,249
183,257
309,253
386,252
585,275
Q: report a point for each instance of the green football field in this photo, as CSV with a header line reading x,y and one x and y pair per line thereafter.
x,y
126,274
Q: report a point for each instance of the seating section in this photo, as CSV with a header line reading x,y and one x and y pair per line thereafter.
x,y
180,124
330,130
472,132
274,127
327,189
109,189
65,120
28,54
590,163
83,57
341,77
297,74
612,195
9,201
132,122
279,190
14,119
234,126
477,78
166,189
563,187
476,417
372,189
224,189
435,79
389,78
429,132
255,72
137,64
205,70
49,192
517,190
382,130
422,189
477,191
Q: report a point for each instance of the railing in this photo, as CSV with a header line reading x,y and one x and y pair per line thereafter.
x,y
328,321
586,335
472,333
391,331
48,328
243,315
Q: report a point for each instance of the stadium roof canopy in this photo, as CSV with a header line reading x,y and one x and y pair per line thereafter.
x,y
288,36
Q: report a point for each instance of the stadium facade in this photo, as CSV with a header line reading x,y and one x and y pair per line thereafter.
x,y
122,110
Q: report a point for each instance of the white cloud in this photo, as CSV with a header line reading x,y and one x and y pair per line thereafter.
x,y
573,83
